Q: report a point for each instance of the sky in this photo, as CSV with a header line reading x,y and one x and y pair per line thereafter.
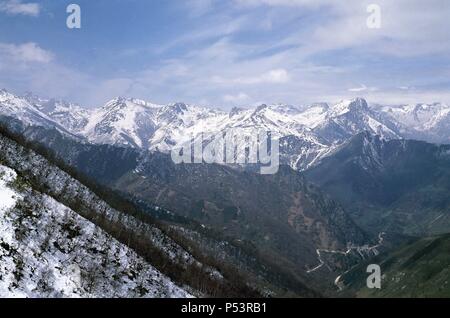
x,y
227,53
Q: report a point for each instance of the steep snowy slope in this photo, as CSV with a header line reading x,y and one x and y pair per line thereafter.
x,y
20,108
348,118
128,122
71,116
48,250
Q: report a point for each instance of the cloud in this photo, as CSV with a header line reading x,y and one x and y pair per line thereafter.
x,y
276,76
415,31
249,51
236,99
363,88
16,7
27,52
218,27
199,8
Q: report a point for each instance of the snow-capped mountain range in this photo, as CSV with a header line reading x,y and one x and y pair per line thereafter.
x,y
306,134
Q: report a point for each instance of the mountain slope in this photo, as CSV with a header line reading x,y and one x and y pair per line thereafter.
x,y
281,213
429,122
348,118
122,122
237,200
397,185
418,269
71,116
48,250
21,109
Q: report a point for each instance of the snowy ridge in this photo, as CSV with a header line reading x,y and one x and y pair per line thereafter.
x,y
71,116
29,114
308,133
429,122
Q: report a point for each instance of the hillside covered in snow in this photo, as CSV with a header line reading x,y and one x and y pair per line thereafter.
x,y
48,250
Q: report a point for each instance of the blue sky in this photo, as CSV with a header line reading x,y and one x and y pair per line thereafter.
x,y
227,52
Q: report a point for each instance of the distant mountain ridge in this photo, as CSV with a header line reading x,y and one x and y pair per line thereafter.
x,y
306,134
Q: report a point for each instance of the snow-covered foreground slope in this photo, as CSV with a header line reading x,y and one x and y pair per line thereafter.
x,y
48,250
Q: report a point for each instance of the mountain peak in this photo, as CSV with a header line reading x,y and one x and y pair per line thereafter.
x,y
180,107
260,108
353,105
6,96
235,111
119,101
5,93
115,103
285,109
174,109
358,103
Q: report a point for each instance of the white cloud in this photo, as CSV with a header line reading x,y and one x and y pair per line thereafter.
x,y
409,28
27,52
362,88
213,70
198,8
276,76
16,7
294,51
236,99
